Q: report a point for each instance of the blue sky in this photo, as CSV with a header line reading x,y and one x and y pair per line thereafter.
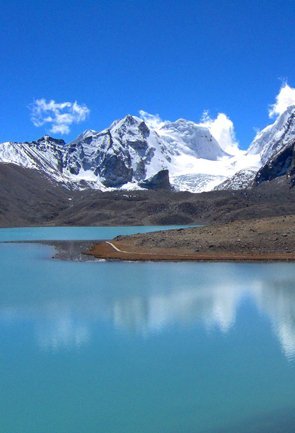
x,y
174,58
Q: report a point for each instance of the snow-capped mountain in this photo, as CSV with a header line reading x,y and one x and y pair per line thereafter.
x,y
267,148
275,137
43,153
133,150
126,153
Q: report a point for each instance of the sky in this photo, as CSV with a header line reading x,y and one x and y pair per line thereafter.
x,y
67,66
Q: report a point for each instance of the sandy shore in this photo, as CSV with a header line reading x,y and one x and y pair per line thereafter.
x,y
267,239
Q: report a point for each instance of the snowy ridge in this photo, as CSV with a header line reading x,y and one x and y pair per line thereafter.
x,y
275,137
134,149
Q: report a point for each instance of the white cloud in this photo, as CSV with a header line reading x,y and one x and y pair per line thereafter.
x,y
284,99
222,129
58,115
153,120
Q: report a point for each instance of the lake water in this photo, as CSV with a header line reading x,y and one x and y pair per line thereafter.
x,y
102,347
74,233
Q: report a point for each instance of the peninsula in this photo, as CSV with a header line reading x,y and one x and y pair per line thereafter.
x,y
263,239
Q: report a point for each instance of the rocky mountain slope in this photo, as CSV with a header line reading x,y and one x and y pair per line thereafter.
x,y
281,165
29,198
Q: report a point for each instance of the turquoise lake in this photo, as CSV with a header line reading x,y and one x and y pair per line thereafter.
x,y
110,347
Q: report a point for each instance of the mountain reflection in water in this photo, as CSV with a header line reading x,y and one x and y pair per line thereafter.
x,y
150,298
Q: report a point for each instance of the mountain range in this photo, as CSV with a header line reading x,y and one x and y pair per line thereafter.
x,y
136,153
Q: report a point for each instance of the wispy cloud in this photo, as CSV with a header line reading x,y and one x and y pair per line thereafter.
x,y
58,115
284,99
153,120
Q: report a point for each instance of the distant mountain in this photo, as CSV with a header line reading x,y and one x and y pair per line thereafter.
x,y
132,152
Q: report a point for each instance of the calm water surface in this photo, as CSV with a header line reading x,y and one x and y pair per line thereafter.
x,y
99,347
74,233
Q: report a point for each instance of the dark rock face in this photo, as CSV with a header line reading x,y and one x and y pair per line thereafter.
x,y
282,164
140,171
75,168
139,146
144,129
115,173
158,181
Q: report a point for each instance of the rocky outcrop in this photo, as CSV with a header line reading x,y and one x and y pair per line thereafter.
x,y
158,181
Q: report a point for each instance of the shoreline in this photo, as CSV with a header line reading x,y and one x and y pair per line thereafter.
x,y
102,250
256,240
84,251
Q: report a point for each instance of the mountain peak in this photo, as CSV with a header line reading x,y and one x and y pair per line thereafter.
x,y
130,120
88,133
47,139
